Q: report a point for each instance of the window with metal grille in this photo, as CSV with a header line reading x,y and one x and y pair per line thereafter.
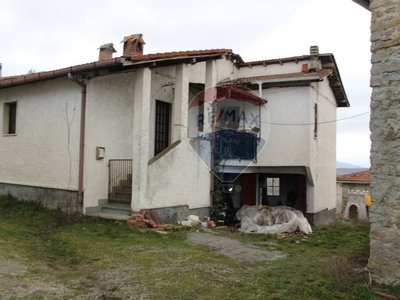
x,y
10,118
162,126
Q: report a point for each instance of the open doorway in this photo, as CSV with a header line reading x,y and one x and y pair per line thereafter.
x,y
283,189
270,189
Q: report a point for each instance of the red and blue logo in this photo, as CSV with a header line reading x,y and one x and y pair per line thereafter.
x,y
226,128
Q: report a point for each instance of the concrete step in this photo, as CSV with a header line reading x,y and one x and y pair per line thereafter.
x,y
121,188
124,193
114,211
110,216
121,199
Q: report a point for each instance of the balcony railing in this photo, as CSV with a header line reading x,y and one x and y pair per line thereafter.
x,y
231,144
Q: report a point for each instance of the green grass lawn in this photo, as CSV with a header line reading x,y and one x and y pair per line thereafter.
x,y
78,257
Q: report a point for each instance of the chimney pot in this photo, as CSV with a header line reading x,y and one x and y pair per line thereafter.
x,y
314,59
133,45
106,51
314,50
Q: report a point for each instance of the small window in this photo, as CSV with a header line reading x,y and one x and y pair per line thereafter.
x,y
10,118
273,186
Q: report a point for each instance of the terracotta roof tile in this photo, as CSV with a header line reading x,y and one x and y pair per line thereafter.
x,y
288,76
275,60
364,176
27,78
175,54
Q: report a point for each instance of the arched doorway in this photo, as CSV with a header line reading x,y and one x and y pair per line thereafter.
x,y
353,212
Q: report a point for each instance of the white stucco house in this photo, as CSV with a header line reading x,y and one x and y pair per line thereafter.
x,y
118,130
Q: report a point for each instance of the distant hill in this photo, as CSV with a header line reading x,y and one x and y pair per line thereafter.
x,y
343,165
345,168
342,171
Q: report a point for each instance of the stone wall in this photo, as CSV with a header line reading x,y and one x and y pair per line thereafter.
x,y
384,260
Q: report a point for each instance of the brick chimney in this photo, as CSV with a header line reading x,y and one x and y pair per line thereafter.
x,y
106,51
314,59
133,45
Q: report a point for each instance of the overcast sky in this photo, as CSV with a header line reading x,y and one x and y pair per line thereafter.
x,y
47,34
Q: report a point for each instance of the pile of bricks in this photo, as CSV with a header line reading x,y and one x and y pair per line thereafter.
x,y
137,220
146,219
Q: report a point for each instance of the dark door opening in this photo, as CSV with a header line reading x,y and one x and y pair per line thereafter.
x,y
249,189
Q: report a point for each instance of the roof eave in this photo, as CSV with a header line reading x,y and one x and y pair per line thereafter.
x,y
283,80
353,181
274,61
31,78
363,3
335,81
192,59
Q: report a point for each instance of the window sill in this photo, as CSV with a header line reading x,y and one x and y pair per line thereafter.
x,y
9,134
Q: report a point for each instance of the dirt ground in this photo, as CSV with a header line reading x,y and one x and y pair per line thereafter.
x,y
14,284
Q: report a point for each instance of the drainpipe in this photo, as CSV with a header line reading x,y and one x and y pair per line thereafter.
x,y
259,107
214,108
82,136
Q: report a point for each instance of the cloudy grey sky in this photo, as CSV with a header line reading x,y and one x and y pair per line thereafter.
x,y
47,34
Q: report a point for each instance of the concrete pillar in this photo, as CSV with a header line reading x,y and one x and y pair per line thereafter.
x,y
141,136
180,110
210,93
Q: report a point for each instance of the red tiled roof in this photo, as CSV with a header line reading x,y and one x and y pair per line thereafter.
x,y
364,176
288,76
176,54
163,58
275,60
28,78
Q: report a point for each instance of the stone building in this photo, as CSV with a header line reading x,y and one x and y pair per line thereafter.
x,y
350,182
384,260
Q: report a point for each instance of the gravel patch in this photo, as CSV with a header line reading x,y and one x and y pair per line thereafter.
x,y
11,268
232,248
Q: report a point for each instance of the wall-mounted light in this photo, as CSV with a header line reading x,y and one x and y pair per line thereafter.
x,y
255,130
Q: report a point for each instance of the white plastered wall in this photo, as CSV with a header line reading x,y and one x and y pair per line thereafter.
x,y
325,147
109,124
45,149
287,142
178,178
